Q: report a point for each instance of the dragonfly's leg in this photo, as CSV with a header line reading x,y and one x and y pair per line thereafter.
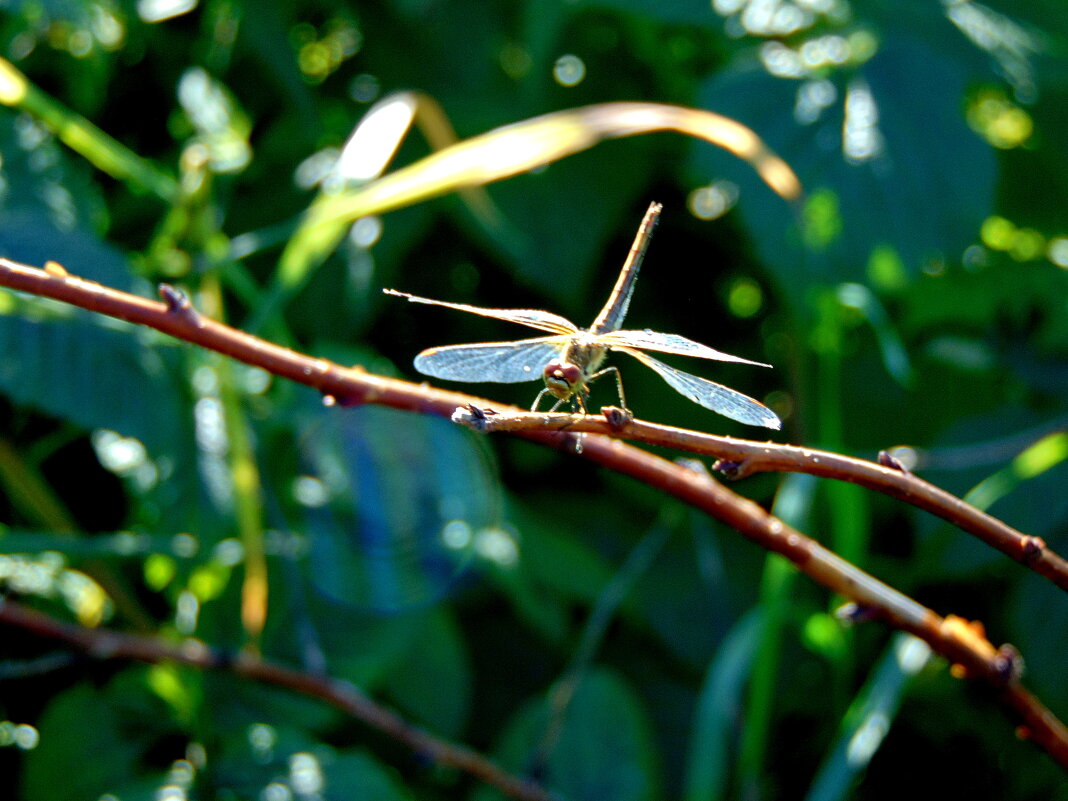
x,y
619,383
537,400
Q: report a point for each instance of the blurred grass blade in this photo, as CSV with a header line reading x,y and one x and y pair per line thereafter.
x,y
83,137
718,708
601,616
1030,463
508,151
868,720
28,492
895,357
792,505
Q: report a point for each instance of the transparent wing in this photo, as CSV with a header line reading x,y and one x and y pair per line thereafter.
x,y
542,320
711,395
669,343
501,362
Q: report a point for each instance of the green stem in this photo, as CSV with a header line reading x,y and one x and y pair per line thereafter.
x,y
84,138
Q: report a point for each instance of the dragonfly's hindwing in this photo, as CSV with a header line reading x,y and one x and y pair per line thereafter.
x,y
724,400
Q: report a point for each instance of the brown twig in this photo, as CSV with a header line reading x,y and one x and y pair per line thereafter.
x,y
740,458
106,644
960,642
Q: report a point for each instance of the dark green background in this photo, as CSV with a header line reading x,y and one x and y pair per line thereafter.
x,y
888,315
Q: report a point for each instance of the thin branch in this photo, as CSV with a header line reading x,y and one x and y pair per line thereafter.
x,y
352,386
740,458
962,643
106,644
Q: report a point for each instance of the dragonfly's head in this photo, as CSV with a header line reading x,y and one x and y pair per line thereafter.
x,y
563,379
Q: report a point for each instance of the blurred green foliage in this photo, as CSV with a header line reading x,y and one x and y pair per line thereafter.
x,y
917,295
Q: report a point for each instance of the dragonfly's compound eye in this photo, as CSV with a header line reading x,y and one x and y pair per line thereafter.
x,y
563,379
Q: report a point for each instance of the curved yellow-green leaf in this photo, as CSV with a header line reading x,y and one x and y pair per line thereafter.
x,y
510,150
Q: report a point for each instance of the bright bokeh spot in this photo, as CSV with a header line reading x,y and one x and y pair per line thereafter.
x,y
1057,251
1027,245
997,233
885,268
822,219
998,120
861,138
118,454
497,545
812,98
744,297
159,571
823,634
318,57
1022,244
262,738
84,597
366,232
712,201
569,70
305,774
208,581
20,735
457,535
309,491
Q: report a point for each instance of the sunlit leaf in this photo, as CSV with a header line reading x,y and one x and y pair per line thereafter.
x,y
508,151
80,368
923,188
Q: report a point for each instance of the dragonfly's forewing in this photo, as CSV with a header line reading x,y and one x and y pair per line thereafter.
x,y
534,318
669,343
501,362
728,402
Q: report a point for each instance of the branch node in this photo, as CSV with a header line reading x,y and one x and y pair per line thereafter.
x,y
887,459
852,613
618,418
1032,547
178,303
733,470
473,417
1009,664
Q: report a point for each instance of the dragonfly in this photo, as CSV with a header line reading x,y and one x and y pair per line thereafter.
x,y
571,358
